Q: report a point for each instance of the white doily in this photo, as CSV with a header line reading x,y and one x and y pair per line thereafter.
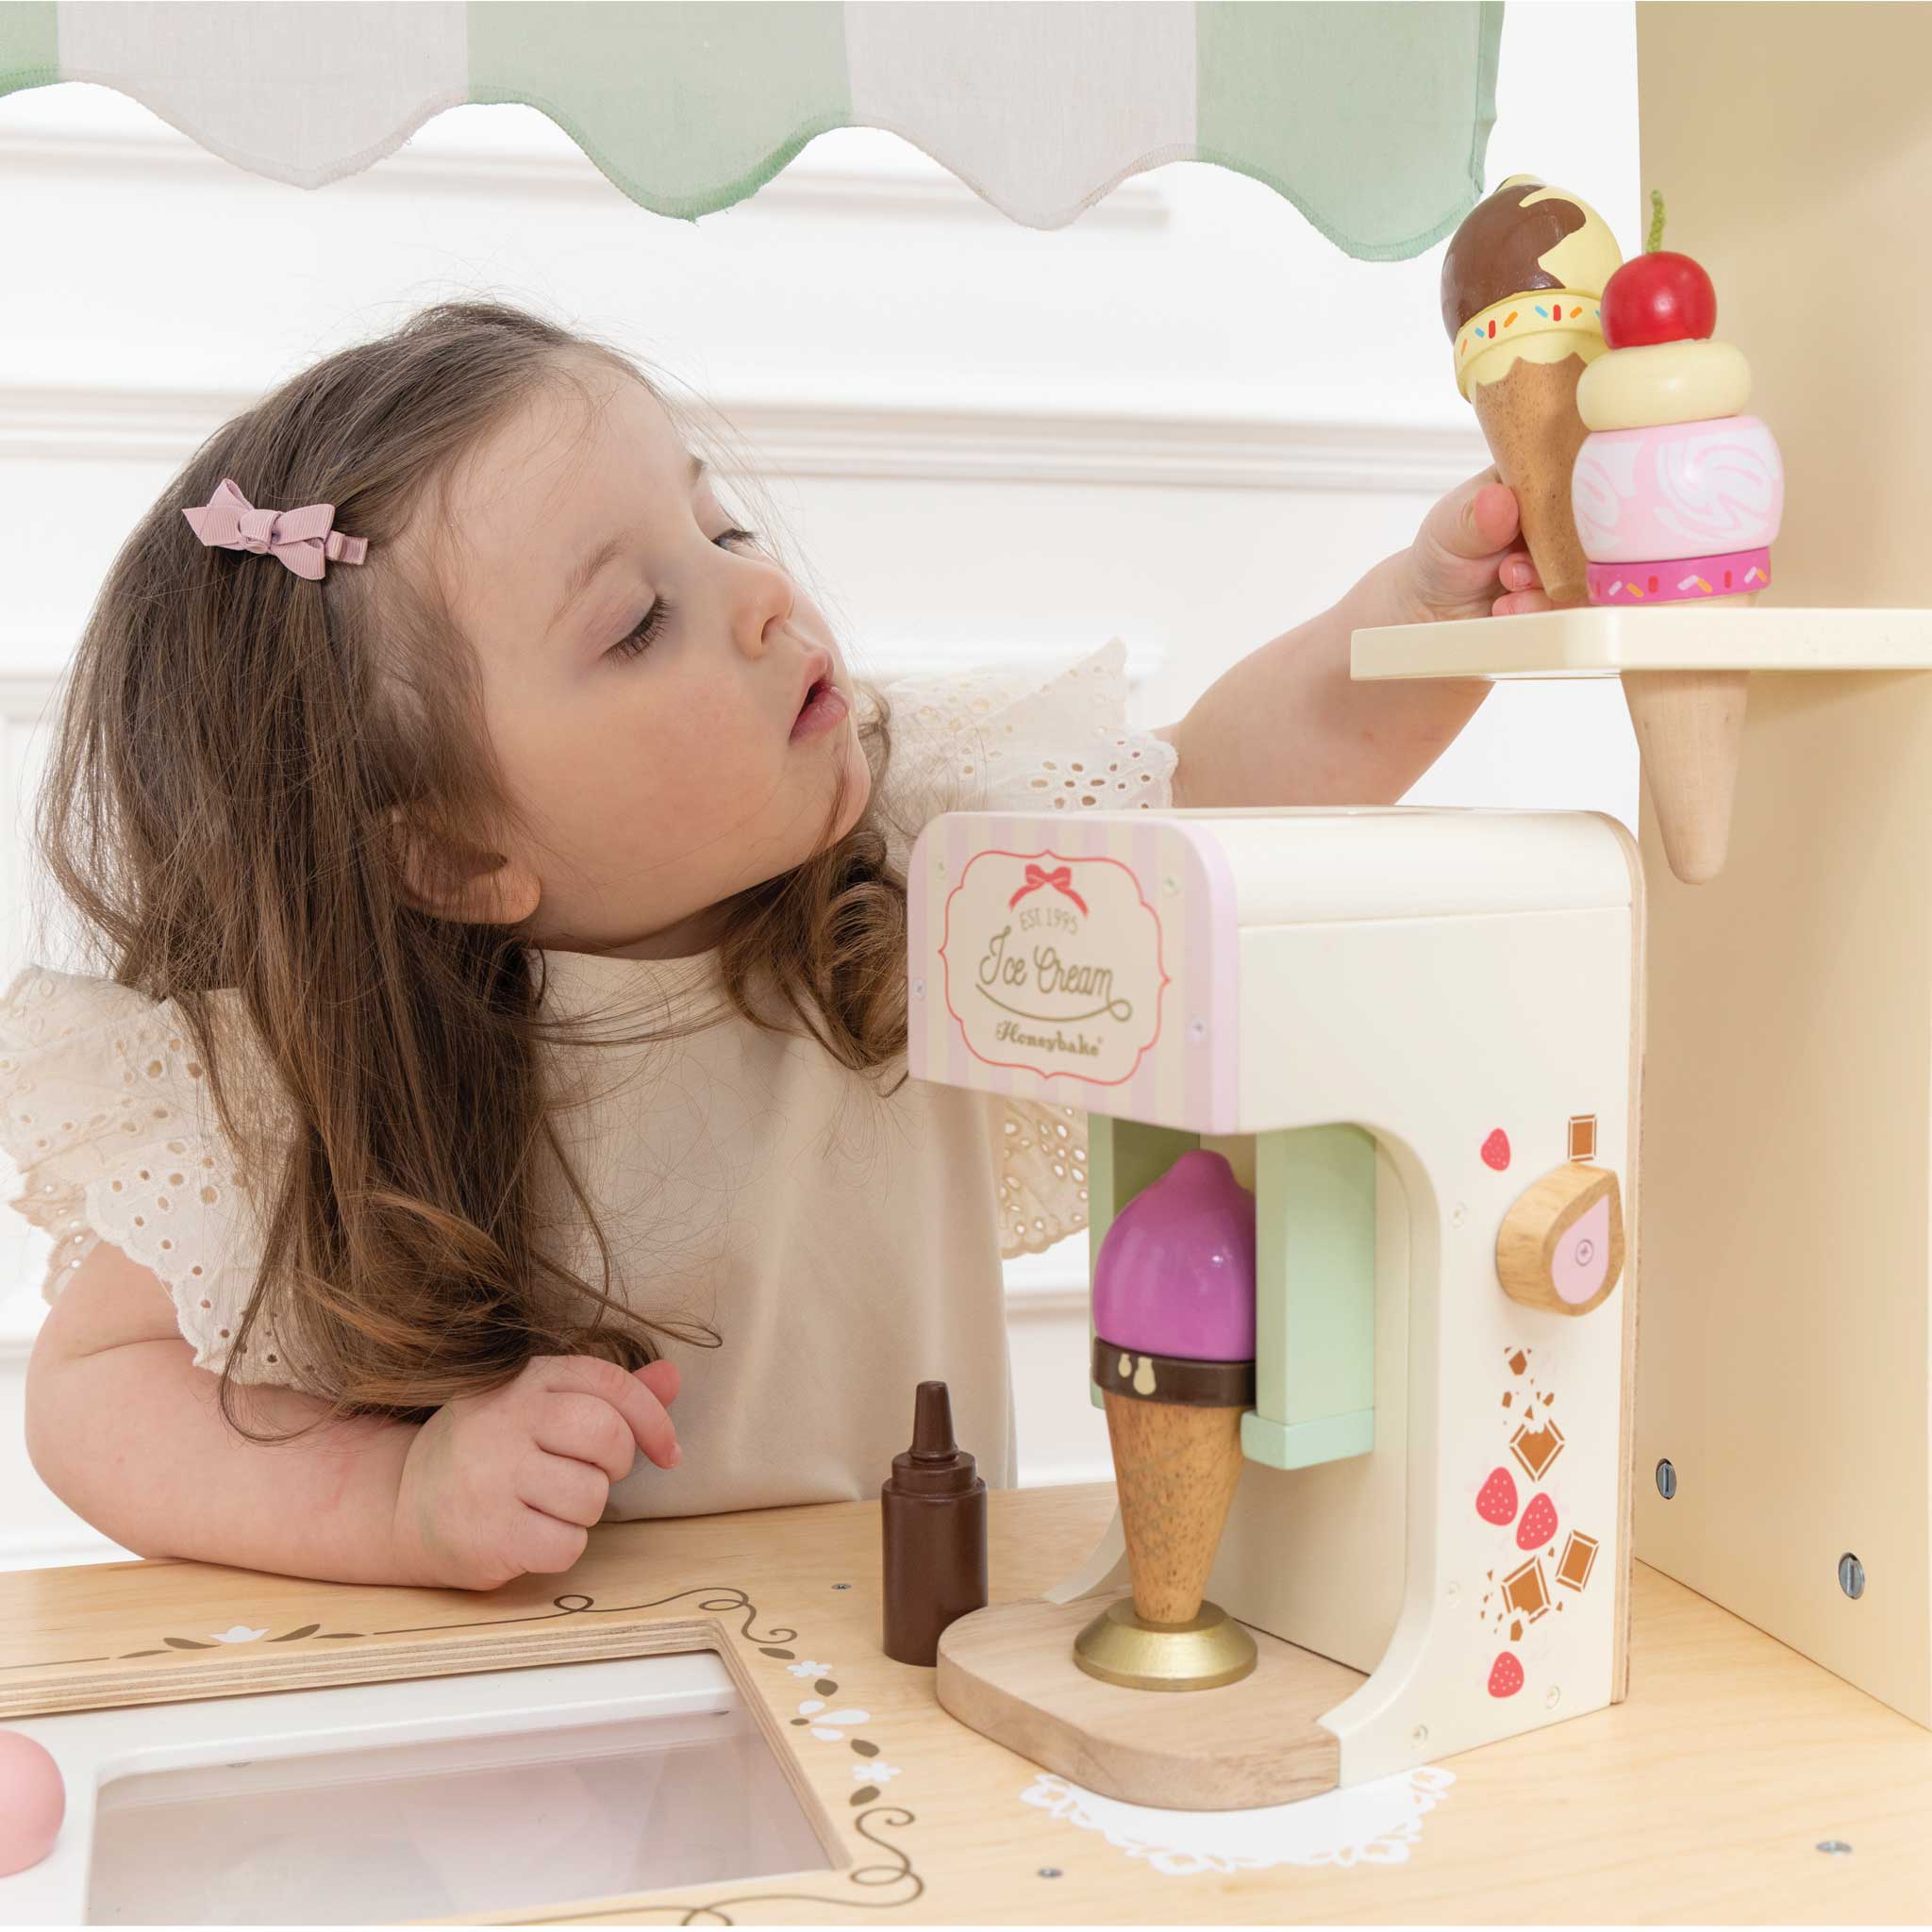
x,y
1369,1824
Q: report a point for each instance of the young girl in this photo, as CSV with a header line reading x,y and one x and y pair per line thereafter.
x,y
435,719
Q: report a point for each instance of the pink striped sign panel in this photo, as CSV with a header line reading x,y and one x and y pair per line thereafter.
x,y
1090,961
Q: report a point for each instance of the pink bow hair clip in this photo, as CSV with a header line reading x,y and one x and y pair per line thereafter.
x,y
301,537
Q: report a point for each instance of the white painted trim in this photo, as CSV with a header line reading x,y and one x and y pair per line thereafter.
x,y
25,693
55,1549
1024,442
1048,1300
1045,1301
909,186
1027,1303
1050,1287
40,653
923,647
828,431
1053,1475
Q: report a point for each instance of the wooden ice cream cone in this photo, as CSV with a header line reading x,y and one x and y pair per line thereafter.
x,y
1530,418
1174,1358
1690,730
1176,1466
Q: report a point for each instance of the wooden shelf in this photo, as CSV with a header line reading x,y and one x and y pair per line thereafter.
x,y
1587,642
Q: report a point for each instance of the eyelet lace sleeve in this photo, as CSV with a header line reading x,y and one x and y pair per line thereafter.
x,y
104,1113
1042,1174
1026,739
1021,738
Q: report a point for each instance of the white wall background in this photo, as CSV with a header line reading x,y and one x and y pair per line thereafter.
x,y
1186,419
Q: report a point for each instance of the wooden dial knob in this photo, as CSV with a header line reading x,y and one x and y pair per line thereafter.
x,y
1562,1244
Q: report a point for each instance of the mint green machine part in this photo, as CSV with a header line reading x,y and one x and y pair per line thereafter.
x,y
1314,1277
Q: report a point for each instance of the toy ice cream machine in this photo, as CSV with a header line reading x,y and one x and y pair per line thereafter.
x,y
1361,1094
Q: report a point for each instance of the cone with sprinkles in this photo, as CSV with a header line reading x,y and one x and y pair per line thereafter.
x,y
1521,285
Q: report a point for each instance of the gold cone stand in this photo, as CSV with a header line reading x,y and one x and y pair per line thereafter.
x,y
1690,730
1121,1646
1176,1466
1060,1683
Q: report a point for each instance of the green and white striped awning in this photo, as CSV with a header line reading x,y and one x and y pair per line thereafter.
x,y
1371,116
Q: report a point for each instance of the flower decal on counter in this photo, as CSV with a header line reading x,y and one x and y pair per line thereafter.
x,y
810,1669
247,1633
834,1724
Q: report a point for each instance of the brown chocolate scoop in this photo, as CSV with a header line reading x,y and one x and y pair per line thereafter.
x,y
1498,250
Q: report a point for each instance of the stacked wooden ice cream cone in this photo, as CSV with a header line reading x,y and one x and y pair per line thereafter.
x,y
1174,1354
1677,498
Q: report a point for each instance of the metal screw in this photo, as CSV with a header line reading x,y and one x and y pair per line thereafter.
x,y
1666,1479
1458,1215
919,988
1851,1576
1553,1696
1197,1029
1049,1871
1420,1736
842,1586
1834,1848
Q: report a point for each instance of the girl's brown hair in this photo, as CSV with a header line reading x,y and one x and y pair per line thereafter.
x,y
236,748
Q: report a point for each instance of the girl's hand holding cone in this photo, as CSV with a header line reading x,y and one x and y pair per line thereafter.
x,y
1468,560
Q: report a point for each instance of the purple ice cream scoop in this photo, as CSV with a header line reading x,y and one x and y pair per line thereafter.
x,y
1175,1274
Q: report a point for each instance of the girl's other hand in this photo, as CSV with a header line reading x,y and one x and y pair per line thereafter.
x,y
1466,559
498,1486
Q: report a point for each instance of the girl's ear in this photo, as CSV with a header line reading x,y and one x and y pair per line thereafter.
x,y
461,883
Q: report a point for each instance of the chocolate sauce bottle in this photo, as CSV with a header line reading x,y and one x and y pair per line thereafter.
x,y
932,1520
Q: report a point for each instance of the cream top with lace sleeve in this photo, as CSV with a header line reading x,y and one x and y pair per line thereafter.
x,y
844,1244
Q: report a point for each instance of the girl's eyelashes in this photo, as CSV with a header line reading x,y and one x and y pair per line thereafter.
x,y
638,639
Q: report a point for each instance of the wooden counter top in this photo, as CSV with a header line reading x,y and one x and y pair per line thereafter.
x,y
1702,1798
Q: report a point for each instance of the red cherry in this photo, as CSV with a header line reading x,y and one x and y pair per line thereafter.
x,y
1658,298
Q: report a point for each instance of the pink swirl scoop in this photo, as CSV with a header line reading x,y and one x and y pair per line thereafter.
x,y
1678,490
1175,1274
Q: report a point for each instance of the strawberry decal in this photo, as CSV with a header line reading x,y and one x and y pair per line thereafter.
x,y
1496,1501
1497,1150
1538,1525
1505,1676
